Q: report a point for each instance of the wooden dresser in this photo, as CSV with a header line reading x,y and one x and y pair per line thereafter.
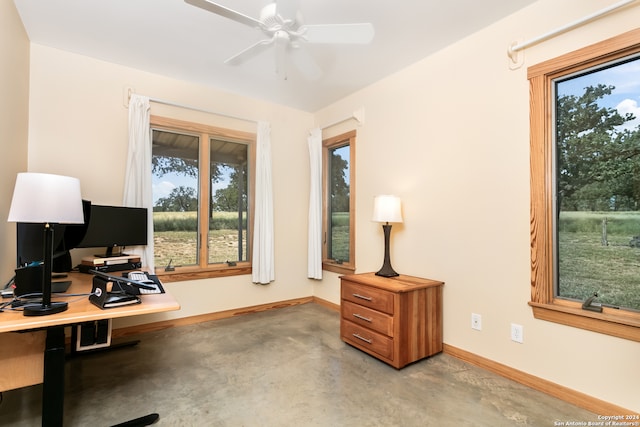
x,y
395,319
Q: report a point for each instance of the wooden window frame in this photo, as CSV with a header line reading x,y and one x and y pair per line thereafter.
x,y
327,144
206,132
545,305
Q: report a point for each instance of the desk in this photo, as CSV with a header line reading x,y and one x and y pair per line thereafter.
x,y
54,344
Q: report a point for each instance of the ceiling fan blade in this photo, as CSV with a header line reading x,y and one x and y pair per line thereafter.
x,y
339,33
249,52
306,63
226,12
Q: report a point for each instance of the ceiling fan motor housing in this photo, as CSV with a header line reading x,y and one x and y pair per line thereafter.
x,y
273,22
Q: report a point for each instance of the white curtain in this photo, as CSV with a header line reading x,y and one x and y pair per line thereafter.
x,y
263,269
314,263
137,182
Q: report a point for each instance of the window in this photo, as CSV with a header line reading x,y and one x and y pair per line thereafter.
x,y
201,197
585,188
338,203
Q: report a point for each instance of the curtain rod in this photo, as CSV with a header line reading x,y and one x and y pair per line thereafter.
x,y
519,46
188,107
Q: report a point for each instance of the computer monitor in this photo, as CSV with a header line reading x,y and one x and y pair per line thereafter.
x,y
114,227
30,242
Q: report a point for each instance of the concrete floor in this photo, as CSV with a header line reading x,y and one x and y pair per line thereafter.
x,y
285,367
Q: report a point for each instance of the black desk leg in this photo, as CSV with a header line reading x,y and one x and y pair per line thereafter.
x,y
53,381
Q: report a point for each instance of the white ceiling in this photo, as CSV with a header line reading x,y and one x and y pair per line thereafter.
x,y
173,38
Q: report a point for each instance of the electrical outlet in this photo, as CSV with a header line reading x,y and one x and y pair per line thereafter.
x,y
476,322
516,333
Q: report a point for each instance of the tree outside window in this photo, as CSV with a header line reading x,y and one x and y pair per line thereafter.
x,y
338,223
598,185
201,179
585,187
339,196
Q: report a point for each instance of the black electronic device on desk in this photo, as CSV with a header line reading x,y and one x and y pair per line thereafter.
x,y
103,294
112,291
133,283
28,281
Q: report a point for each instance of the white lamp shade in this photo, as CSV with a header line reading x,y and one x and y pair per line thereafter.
x,y
387,209
46,198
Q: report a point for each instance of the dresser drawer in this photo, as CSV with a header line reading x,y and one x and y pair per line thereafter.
x,y
367,317
377,299
367,339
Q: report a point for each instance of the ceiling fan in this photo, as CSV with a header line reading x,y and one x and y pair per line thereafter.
x,y
282,23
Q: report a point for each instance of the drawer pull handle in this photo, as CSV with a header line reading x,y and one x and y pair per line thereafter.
x,y
363,339
361,317
363,297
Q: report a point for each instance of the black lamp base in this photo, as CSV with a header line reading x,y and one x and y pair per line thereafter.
x,y
47,307
386,270
45,310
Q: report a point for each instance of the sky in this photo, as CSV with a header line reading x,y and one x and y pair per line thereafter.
x,y
626,96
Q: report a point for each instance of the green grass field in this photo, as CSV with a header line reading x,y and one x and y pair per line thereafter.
x,y
586,265
175,238
340,236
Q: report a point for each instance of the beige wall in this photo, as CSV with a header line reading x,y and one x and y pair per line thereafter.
x,y
14,114
449,135
78,127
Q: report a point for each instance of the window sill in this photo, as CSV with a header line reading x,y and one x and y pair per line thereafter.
x,y
338,268
611,321
193,273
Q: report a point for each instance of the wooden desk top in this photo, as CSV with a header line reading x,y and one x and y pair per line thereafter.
x,y
81,310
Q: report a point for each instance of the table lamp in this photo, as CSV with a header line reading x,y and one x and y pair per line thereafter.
x,y
48,200
387,209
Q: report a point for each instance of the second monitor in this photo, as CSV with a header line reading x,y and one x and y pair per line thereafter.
x,y
113,228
